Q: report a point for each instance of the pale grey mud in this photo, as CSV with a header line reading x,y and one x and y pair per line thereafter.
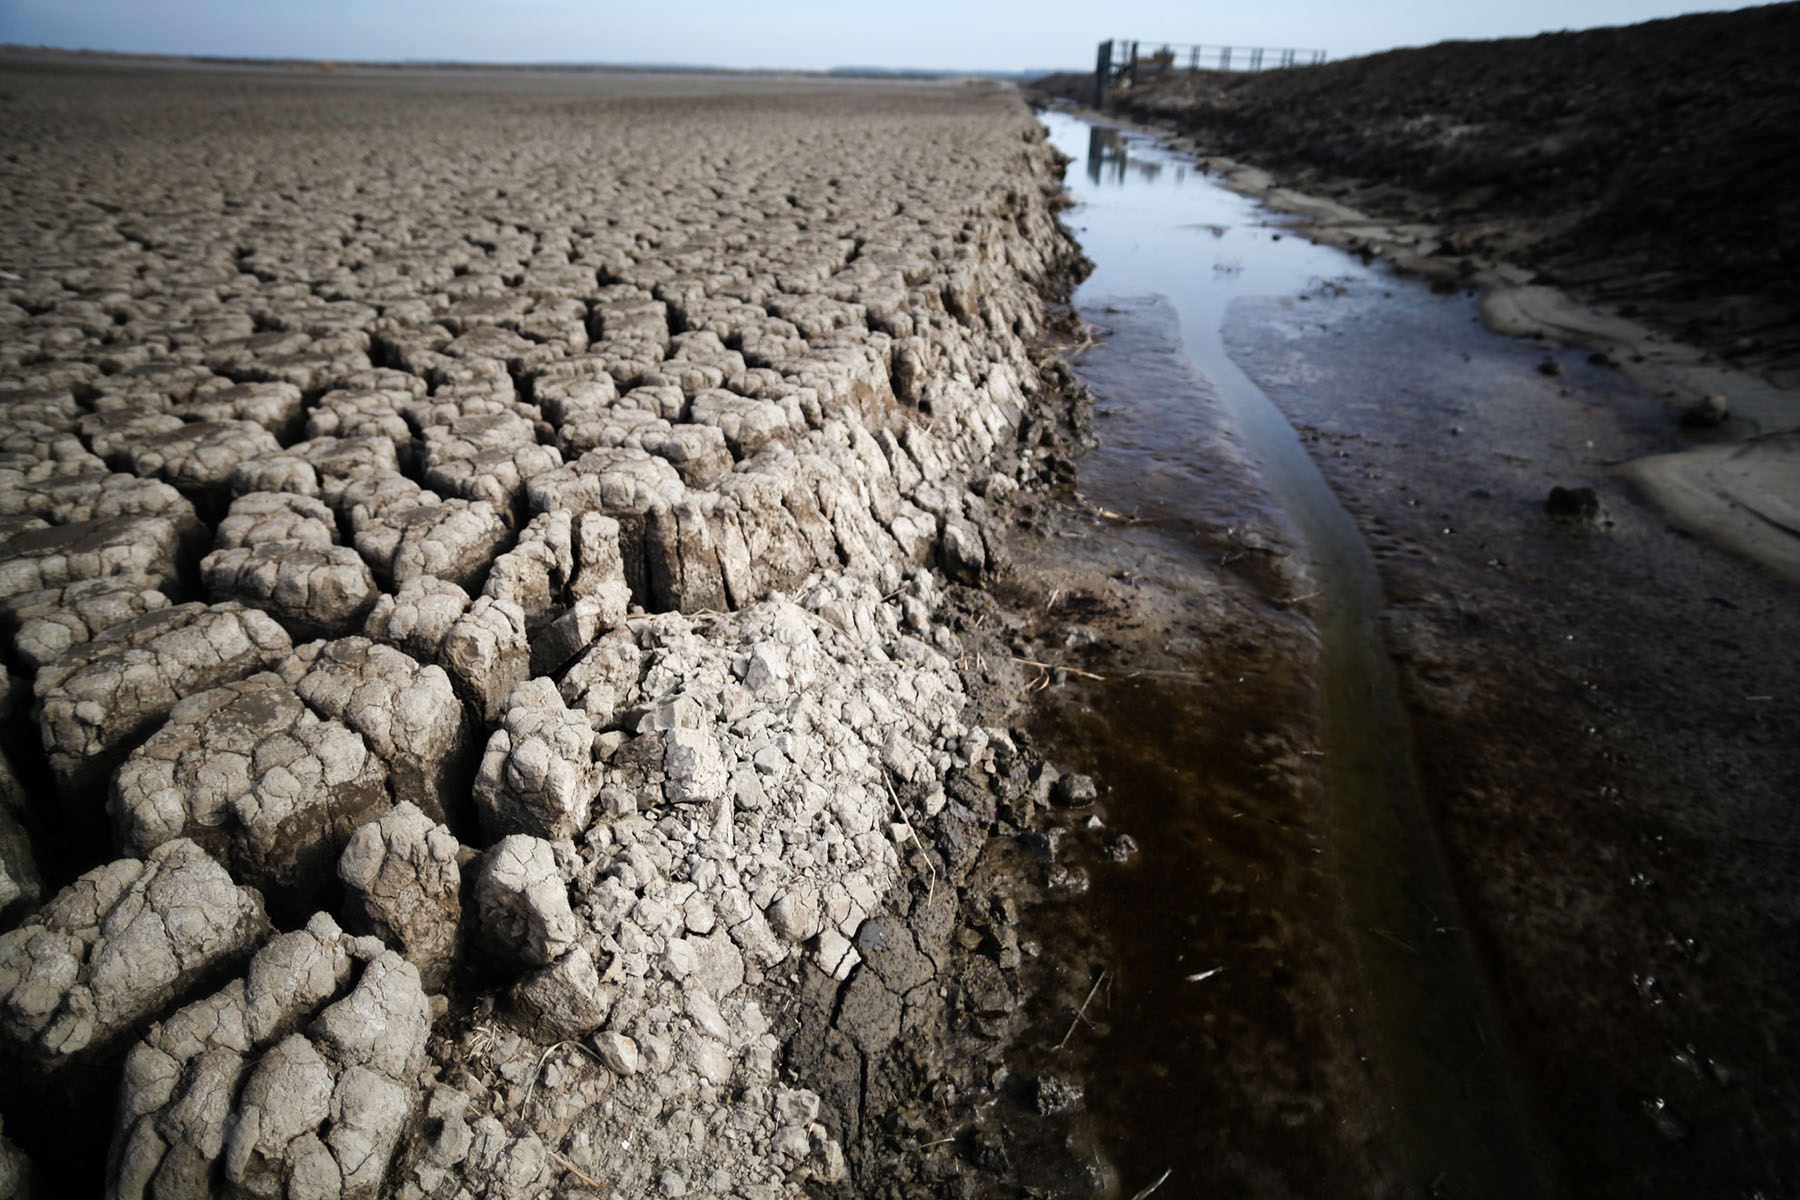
x,y
483,712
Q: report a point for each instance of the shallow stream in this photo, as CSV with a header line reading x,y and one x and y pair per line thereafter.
x,y
1380,1002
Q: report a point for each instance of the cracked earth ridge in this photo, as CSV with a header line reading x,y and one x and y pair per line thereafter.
x,y
508,518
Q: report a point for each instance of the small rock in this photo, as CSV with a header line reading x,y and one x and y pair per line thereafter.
x,y
1578,505
1708,412
1057,1095
1074,791
618,1052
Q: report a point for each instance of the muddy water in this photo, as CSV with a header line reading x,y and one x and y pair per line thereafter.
x,y
1374,1025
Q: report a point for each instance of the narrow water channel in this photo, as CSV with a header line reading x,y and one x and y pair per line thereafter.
x,y
1157,227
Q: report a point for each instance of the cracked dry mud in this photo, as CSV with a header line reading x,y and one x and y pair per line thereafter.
x,y
495,529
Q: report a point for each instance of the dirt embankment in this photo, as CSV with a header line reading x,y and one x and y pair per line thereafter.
x,y
1645,166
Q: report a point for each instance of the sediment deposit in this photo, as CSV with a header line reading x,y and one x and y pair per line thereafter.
x,y
491,528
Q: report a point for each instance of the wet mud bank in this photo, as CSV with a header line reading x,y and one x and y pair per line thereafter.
x,y
1601,758
497,700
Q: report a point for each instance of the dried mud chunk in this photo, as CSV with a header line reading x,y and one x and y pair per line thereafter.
x,y
418,617
140,550
537,776
403,885
495,476
298,1080
624,484
250,773
700,454
408,714
487,654
199,456
21,886
523,904
536,573
339,460
287,473
274,406
65,497
748,425
566,398
608,429
278,516
112,433
19,1179
565,999
314,591
600,682
350,413
452,539
120,944
50,622
681,560
98,699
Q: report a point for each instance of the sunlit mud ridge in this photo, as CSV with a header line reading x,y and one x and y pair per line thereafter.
x,y
471,554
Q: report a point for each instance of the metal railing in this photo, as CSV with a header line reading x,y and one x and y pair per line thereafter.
x,y
1125,60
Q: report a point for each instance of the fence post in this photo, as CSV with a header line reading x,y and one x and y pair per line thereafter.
x,y
1102,72
1134,63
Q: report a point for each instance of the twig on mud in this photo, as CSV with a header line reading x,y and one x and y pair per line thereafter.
x,y
1162,673
1044,666
574,1170
1286,600
1397,940
943,1141
924,852
1081,1013
544,1058
1160,1180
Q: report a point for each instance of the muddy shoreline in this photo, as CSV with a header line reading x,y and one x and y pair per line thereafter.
x,y
1605,759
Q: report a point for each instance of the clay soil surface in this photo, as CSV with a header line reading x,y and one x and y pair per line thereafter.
x,y
487,707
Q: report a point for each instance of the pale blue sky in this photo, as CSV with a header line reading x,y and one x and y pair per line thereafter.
x,y
810,34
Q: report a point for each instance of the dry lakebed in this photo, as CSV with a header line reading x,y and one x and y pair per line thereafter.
x,y
632,634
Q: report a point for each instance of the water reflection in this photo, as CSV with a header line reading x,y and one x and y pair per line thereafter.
x,y
1109,158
